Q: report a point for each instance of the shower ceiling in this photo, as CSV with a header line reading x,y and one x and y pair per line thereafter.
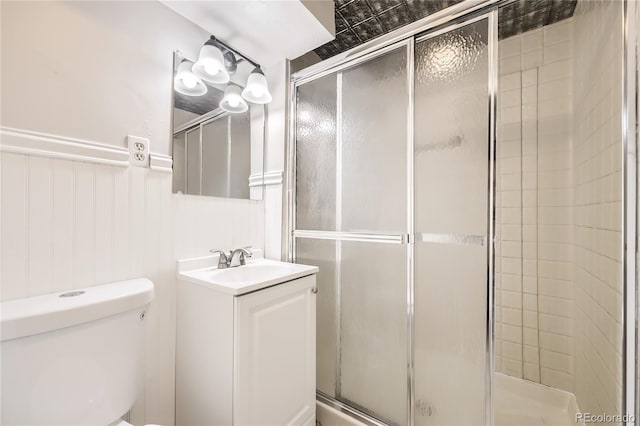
x,y
358,21
199,104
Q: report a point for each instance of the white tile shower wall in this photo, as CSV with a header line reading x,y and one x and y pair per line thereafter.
x,y
597,210
68,224
533,256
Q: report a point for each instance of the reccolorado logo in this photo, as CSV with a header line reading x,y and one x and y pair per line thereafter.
x,y
604,418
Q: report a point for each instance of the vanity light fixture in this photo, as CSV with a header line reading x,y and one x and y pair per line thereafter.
x,y
257,90
230,62
216,62
211,64
186,82
232,100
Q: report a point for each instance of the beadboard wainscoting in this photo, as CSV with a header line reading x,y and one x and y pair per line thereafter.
x,y
67,224
70,219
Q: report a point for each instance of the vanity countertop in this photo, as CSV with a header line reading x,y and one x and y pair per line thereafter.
x,y
257,274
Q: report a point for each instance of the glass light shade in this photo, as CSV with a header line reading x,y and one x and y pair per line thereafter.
x,y
257,90
186,82
232,100
210,65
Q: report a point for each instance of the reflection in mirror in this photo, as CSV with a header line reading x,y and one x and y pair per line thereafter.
x,y
216,153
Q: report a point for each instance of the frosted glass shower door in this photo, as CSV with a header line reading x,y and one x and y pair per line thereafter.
x,y
351,220
451,177
392,165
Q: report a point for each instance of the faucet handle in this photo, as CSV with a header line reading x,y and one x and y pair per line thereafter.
x,y
223,261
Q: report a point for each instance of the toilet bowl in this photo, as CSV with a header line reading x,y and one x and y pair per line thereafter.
x,y
73,358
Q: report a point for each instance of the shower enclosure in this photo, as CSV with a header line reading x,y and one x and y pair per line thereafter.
x,y
392,189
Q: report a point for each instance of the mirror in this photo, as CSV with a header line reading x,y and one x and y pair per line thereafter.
x,y
216,153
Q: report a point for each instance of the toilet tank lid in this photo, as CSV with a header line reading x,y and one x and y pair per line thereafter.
x,y
40,314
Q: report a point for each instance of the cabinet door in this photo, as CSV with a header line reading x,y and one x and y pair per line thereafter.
x,y
275,361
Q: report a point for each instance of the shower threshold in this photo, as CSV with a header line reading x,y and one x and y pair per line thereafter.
x,y
517,403
523,403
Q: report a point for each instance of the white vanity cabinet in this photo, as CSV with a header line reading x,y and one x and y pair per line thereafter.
x,y
245,352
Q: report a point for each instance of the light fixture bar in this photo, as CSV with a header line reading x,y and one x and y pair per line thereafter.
x,y
220,43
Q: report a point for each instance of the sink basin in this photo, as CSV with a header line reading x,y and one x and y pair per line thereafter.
x,y
255,275
251,272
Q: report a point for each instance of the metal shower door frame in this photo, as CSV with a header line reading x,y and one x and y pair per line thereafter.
x,y
447,20
436,24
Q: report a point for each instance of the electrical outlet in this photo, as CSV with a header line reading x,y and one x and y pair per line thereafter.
x,y
138,151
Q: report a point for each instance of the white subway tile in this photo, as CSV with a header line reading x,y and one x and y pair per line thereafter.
x,y
555,287
557,33
556,361
557,52
530,302
554,71
555,306
556,342
511,299
554,324
529,77
512,316
508,65
530,336
509,81
532,372
532,59
512,351
556,379
511,367
509,47
530,354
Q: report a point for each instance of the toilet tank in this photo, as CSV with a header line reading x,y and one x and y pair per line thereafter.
x,y
73,358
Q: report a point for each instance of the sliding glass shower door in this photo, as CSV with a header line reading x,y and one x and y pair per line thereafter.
x,y
391,202
452,163
351,218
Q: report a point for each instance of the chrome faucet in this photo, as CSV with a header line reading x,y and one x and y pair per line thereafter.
x,y
244,254
226,259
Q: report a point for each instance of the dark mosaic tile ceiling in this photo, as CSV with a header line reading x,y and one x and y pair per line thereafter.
x,y
358,21
527,15
198,104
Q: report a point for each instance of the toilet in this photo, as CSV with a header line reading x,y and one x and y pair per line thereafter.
x,y
73,358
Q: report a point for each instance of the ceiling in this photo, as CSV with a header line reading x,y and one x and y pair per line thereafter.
x,y
358,21
199,104
527,15
263,29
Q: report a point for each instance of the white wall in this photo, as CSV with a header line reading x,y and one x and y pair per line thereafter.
x,y
277,128
99,71
94,70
